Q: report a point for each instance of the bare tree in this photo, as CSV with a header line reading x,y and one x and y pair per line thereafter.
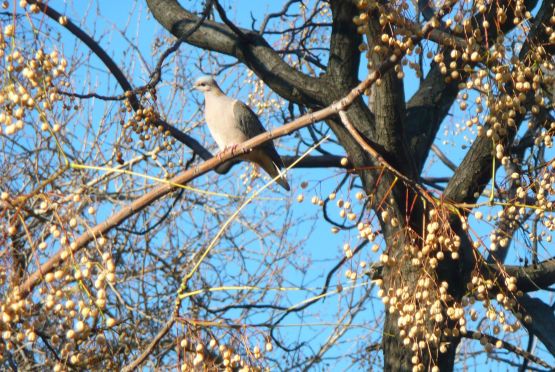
x,y
119,253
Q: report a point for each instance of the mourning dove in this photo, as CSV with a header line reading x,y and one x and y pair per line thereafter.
x,y
231,122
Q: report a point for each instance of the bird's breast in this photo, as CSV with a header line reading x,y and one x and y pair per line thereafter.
x,y
222,122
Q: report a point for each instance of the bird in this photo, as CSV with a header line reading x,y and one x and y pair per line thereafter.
x,y
232,122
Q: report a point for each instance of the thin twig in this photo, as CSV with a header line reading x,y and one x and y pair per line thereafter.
x,y
443,158
156,75
137,362
281,13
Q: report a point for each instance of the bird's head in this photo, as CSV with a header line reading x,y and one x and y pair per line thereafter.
x,y
206,84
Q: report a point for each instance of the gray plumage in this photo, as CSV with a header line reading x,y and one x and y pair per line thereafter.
x,y
231,122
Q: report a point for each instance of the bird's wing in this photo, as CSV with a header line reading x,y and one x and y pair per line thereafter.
x,y
247,120
264,155
250,125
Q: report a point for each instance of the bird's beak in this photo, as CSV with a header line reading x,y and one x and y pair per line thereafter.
x,y
194,87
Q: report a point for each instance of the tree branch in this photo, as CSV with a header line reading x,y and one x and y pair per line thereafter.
x,y
137,362
281,13
344,58
475,335
543,320
257,54
529,278
534,277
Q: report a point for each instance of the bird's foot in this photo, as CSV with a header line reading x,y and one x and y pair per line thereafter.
x,y
231,148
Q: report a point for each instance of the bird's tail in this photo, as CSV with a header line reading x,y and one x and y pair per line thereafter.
x,y
270,166
281,180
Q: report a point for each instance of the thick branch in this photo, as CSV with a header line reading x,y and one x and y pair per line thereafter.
x,y
533,277
257,54
344,57
426,110
543,320
388,103
322,161
529,278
